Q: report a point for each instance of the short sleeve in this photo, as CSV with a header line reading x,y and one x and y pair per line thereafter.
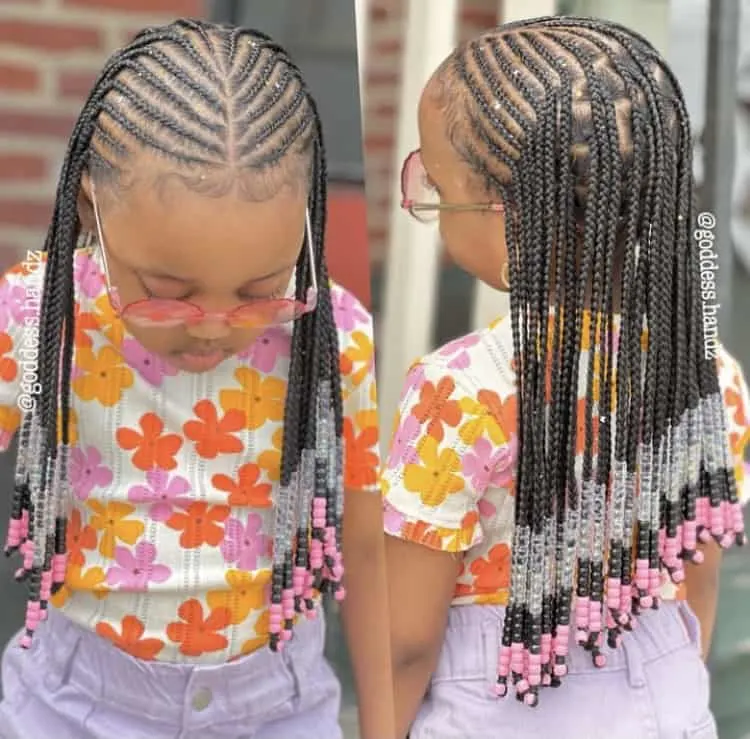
x,y
20,299
447,442
359,393
737,404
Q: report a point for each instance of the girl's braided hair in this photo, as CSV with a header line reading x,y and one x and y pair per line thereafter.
x,y
581,128
222,105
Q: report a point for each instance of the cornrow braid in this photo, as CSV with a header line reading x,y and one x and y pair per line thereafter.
x,y
581,129
225,106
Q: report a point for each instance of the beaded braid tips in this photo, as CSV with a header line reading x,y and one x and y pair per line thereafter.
x,y
581,128
212,101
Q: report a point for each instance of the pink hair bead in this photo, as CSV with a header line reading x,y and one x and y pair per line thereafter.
x,y
340,593
15,534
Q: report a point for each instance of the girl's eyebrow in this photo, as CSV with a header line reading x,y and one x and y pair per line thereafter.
x,y
158,274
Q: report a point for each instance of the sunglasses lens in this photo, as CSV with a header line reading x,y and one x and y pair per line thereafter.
x,y
267,313
160,313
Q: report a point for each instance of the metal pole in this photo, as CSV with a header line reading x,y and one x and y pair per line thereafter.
x,y
718,135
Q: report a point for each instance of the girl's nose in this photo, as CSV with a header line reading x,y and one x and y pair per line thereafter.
x,y
209,329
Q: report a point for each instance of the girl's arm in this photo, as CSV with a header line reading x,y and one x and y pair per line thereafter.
x,y
421,583
702,586
365,613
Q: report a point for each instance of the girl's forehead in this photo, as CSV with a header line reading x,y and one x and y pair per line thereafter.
x,y
194,236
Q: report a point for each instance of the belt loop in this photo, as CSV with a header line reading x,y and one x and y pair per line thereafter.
x,y
634,661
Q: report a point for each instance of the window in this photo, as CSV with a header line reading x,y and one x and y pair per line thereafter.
x,y
321,37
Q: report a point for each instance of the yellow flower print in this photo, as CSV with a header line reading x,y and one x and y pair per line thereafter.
x,y
110,520
261,629
259,399
435,478
365,419
363,354
103,376
109,322
91,580
270,460
246,593
480,421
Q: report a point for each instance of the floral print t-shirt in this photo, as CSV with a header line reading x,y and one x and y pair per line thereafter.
x,y
174,474
448,479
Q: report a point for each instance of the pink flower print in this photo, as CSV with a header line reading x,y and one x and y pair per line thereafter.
x,y
267,349
402,449
457,350
87,471
486,465
152,368
347,311
162,493
12,304
393,521
243,545
414,379
486,508
88,277
136,570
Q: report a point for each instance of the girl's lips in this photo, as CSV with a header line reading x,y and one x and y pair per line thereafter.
x,y
199,362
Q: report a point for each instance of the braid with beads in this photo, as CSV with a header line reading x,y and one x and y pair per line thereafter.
x,y
581,129
223,105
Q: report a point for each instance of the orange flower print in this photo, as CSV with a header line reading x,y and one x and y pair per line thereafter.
x,y
102,376
487,414
10,420
8,366
91,580
80,537
84,322
111,520
262,628
246,491
421,532
196,635
435,477
346,366
130,639
581,440
108,322
152,448
270,460
200,524
214,436
735,407
435,408
361,355
493,573
246,593
361,459
260,400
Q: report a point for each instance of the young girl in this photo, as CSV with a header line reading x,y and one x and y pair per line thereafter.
x,y
194,397
555,478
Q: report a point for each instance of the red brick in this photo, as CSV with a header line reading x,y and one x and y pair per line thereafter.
x,y
75,84
19,77
36,124
22,167
190,8
25,213
57,37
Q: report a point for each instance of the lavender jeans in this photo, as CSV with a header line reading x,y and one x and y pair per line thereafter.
x,y
654,687
72,684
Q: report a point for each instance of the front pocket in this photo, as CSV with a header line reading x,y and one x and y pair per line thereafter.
x,y
705,730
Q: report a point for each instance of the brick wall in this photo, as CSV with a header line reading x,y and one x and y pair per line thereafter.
x,y
382,85
50,51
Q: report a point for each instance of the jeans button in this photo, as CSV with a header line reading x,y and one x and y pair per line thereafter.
x,y
202,699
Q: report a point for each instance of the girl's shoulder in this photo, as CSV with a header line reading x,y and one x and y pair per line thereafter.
x,y
480,359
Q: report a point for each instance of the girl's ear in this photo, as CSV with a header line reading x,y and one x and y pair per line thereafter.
x,y
85,207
